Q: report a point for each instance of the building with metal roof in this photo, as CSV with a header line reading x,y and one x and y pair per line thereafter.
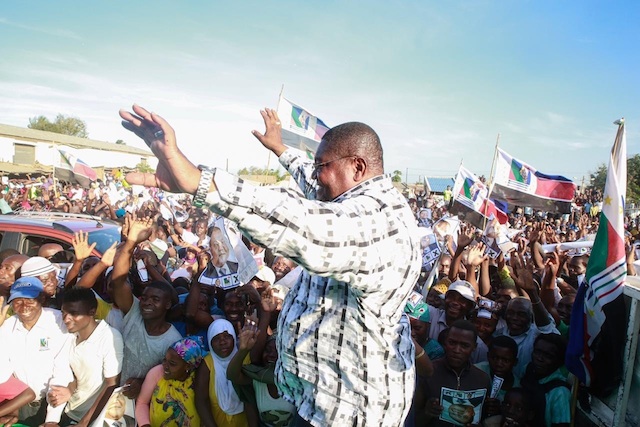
x,y
437,185
24,150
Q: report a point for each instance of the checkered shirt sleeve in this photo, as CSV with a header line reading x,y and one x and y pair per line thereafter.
x,y
345,348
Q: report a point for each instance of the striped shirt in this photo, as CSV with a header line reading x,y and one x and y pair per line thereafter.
x,y
345,348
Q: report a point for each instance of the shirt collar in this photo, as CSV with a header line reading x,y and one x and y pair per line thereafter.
x,y
385,180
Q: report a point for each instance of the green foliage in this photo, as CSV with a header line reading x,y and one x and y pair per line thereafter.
x,y
397,176
144,167
121,142
599,178
253,170
62,124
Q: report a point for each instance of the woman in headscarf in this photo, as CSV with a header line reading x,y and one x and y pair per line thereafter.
x,y
216,400
167,396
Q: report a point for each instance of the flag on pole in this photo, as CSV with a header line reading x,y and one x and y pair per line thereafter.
x,y
72,169
522,185
300,128
598,319
471,200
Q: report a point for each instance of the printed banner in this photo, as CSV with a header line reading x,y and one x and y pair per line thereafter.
x,y
231,264
496,239
430,248
461,407
119,411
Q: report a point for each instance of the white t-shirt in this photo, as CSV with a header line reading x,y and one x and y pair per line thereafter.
x,y
39,357
77,194
141,350
93,360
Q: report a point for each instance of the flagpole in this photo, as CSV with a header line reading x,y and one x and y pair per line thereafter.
x,y
280,97
269,154
490,186
53,170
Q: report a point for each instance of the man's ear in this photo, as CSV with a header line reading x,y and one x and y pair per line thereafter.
x,y
42,298
361,169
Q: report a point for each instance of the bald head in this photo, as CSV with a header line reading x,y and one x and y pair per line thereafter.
x,y
521,302
49,249
518,315
356,139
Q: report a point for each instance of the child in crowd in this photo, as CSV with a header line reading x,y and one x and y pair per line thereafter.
x,y
546,378
502,357
516,409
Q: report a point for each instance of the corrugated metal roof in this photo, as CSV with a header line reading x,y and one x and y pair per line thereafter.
x,y
438,185
26,134
13,168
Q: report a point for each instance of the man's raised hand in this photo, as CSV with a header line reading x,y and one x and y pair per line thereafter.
x,y
272,138
175,172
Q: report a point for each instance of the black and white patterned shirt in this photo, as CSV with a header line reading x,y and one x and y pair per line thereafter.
x,y
345,351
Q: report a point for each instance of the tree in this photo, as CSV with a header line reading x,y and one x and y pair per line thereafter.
x,y
599,178
144,167
253,170
62,124
397,176
121,142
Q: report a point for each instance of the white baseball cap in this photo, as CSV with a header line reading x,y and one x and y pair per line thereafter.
x,y
464,288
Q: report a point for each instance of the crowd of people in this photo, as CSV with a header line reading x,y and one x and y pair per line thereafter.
x,y
341,324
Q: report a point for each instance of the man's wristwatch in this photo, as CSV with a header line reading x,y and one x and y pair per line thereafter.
x,y
206,176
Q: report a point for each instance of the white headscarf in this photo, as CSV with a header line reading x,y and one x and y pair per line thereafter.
x,y
228,400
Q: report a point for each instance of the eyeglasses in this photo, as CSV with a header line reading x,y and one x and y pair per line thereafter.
x,y
318,166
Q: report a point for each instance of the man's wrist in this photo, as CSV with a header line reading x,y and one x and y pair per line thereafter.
x,y
279,150
205,185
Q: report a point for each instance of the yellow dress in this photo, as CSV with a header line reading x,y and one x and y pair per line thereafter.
x,y
173,404
221,418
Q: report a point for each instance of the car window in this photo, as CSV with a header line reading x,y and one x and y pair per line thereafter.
x,y
32,244
104,238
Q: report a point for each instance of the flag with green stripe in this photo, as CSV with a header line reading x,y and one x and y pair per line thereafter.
x,y
596,342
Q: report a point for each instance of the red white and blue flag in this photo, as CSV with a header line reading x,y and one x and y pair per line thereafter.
x,y
72,169
520,184
300,128
598,319
471,200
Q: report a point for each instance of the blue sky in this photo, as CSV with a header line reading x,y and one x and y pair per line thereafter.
x,y
437,80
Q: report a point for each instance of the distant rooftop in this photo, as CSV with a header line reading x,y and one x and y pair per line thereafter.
x,y
438,185
33,135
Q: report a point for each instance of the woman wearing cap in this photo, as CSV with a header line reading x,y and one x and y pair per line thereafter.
x,y
167,396
216,400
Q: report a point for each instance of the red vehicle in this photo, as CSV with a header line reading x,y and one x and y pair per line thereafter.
x,y
27,231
